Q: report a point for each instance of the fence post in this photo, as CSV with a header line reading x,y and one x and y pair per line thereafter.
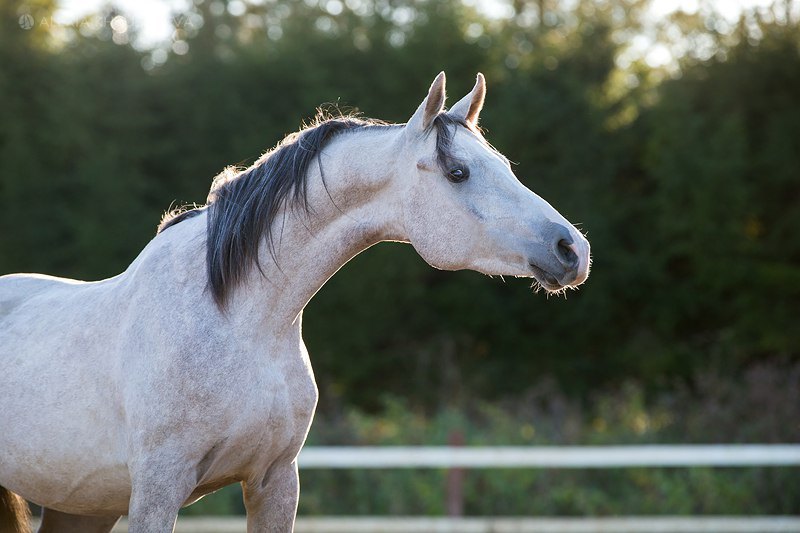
x,y
455,479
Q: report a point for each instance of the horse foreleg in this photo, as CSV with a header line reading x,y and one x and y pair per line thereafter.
x,y
157,493
58,522
271,501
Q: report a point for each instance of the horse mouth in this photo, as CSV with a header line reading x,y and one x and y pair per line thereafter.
x,y
547,280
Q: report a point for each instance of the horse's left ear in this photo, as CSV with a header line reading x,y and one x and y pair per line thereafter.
x,y
430,107
469,107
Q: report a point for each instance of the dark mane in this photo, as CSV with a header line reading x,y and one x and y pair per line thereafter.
x,y
242,205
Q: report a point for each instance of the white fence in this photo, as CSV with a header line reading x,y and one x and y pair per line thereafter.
x,y
531,457
386,524
457,457
549,456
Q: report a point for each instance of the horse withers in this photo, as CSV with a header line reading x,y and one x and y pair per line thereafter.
x,y
141,393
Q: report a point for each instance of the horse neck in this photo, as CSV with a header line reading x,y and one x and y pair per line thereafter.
x,y
356,207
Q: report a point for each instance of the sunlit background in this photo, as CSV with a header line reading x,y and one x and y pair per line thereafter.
x,y
155,21
669,130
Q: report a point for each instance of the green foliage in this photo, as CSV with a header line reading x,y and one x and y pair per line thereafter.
x,y
763,406
687,188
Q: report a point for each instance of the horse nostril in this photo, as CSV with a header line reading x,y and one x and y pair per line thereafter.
x,y
566,254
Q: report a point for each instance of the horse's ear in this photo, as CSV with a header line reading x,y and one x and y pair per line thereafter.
x,y
430,107
469,107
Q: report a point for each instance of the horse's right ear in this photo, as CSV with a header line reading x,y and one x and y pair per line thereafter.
x,y
431,106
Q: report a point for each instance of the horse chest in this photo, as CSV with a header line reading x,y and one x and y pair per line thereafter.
x,y
289,400
231,405
277,422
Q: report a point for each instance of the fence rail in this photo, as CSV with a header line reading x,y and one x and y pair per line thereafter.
x,y
456,457
414,524
717,455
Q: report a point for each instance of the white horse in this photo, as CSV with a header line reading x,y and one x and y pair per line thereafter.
x,y
141,393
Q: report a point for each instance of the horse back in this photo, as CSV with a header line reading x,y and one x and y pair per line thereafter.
x,y
17,289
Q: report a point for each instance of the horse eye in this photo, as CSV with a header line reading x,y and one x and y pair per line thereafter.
x,y
458,174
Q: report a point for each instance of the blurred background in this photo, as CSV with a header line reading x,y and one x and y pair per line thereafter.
x,y
669,130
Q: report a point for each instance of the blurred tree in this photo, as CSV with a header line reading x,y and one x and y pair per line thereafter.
x,y
686,187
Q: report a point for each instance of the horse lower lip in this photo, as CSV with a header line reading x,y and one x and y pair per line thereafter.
x,y
551,279
545,276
